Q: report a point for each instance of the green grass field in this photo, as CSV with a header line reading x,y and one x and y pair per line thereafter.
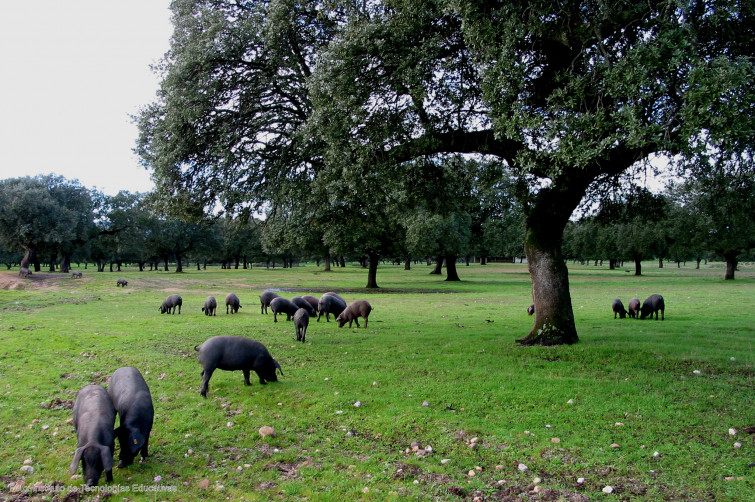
x,y
580,418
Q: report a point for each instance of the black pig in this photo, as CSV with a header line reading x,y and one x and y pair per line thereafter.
x,y
282,305
330,303
618,308
301,322
303,303
133,403
265,299
233,302
231,353
93,419
634,308
651,306
171,302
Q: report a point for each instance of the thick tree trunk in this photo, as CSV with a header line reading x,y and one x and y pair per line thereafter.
x,y
554,318
65,263
697,264
438,266
731,265
660,262
327,263
372,271
451,274
483,260
166,264
179,264
545,223
637,266
407,264
30,256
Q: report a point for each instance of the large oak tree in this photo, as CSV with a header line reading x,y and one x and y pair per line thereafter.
x,y
568,95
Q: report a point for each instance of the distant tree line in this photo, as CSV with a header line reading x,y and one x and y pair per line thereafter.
x,y
49,220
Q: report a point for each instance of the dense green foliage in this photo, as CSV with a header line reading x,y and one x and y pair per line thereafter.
x,y
328,103
674,387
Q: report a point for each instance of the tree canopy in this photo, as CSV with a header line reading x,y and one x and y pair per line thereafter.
x,y
259,93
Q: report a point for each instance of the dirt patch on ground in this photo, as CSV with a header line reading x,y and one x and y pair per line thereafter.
x,y
10,281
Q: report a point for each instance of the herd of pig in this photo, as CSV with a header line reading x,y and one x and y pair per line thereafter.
x,y
128,395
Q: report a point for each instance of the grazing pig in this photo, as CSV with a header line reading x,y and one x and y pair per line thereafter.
x,y
282,305
634,308
232,302
171,302
301,322
93,419
300,302
618,308
233,353
210,305
651,306
265,299
24,272
121,282
133,403
531,309
360,308
76,275
312,301
330,303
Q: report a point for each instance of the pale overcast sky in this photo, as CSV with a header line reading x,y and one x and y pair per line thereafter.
x,y
73,72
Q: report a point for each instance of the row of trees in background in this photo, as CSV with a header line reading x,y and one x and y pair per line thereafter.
x,y
52,220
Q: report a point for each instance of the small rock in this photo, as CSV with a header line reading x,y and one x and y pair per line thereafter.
x,y
656,454
619,424
737,445
357,404
478,468
733,358
501,482
204,484
445,460
608,489
522,467
374,384
28,461
570,401
365,490
614,445
697,372
471,473
429,449
229,424
536,481
425,403
187,435
339,412
499,467
729,478
247,466
416,481
189,451
326,379
733,432
239,468
266,431
537,489
27,468
548,426
474,440
555,440
580,480
415,445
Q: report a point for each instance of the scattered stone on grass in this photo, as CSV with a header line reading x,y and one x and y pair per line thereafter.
x,y
522,467
266,431
608,489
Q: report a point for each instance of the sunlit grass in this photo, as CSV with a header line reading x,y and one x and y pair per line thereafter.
x,y
677,386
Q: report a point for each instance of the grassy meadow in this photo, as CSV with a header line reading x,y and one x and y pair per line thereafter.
x,y
644,407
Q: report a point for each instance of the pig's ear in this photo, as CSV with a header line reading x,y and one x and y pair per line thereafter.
x,y
135,440
107,458
76,460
